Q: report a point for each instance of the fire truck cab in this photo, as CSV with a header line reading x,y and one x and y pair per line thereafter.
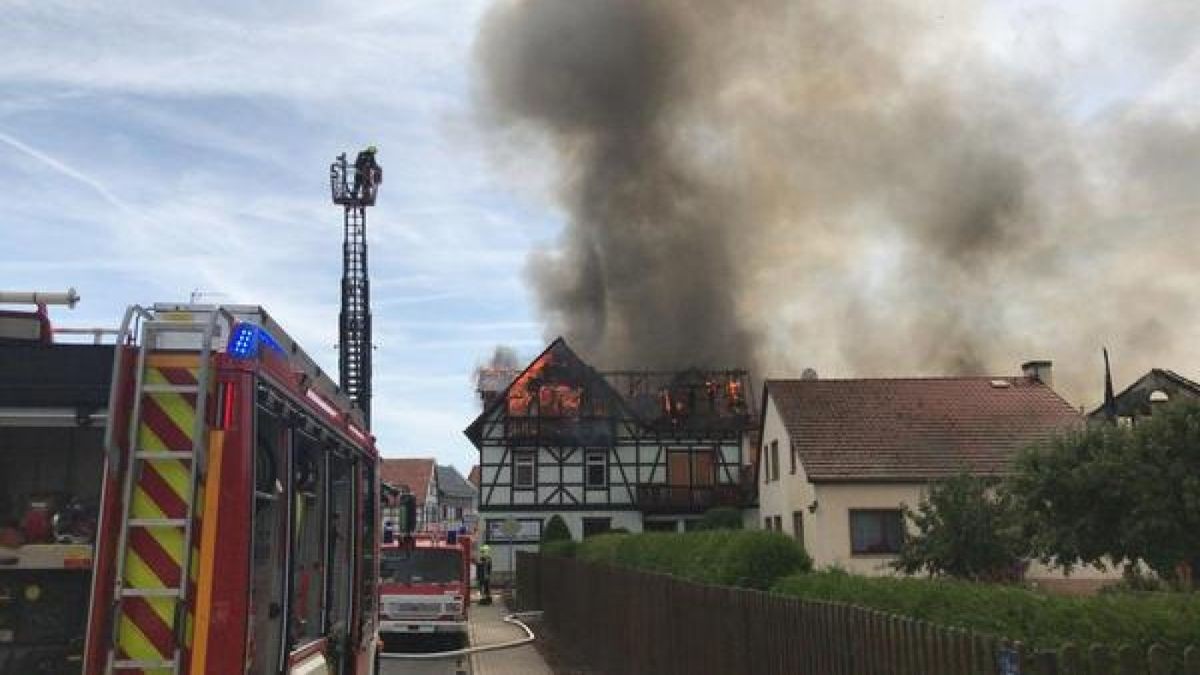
x,y
196,498
425,587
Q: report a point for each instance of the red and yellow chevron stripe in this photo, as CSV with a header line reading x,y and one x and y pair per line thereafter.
x,y
162,489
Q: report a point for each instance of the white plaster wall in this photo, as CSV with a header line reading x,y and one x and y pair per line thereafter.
x,y
630,520
792,492
827,531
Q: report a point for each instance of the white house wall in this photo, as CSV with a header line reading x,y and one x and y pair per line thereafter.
x,y
629,520
792,492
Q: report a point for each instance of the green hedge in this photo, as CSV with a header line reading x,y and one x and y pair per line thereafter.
x,y
1043,621
750,559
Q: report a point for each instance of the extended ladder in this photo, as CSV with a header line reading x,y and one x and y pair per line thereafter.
x,y
151,619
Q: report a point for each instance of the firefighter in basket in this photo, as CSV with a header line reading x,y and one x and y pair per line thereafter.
x,y
367,174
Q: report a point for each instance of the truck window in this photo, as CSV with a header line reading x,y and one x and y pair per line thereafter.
x,y
270,542
421,565
341,541
309,563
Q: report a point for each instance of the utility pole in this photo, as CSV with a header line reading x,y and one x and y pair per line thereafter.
x,y
354,187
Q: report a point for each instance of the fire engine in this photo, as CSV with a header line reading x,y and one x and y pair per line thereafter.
x,y
425,588
196,498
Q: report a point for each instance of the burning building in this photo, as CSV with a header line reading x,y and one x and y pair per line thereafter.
x,y
636,449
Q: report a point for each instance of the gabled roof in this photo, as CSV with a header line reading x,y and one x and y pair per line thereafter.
x,y
681,401
412,472
452,484
915,428
558,348
1134,400
473,477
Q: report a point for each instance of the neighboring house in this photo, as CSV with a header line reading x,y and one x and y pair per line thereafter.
x,y
840,458
420,477
1156,387
623,449
457,499
473,477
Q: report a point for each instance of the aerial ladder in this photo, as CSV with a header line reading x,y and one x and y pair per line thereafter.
x,y
354,188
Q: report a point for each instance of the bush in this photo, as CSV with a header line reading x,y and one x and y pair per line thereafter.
x,y
964,529
564,548
721,518
749,559
1042,621
556,530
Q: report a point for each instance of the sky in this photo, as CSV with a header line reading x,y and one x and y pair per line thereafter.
x,y
149,151
153,150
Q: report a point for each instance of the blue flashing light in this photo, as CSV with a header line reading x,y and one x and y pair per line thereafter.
x,y
246,338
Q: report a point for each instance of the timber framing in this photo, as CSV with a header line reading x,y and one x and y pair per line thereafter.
x,y
668,439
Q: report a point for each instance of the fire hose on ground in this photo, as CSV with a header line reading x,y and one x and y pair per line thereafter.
x,y
512,619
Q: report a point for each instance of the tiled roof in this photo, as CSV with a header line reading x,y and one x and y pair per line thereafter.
x,y
412,472
473,477
917,428
451,483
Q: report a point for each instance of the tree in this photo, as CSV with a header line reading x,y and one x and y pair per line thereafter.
x,y
1112,495
966,528
556,530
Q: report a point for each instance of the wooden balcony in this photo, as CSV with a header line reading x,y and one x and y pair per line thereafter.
x,y
696,499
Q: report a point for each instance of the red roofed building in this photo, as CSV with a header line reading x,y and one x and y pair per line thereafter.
x,y
839,458
419,475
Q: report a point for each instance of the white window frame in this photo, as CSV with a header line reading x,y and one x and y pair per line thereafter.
x,y
593,458
522,459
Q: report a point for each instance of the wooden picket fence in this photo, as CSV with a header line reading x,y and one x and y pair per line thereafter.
x,y
626,621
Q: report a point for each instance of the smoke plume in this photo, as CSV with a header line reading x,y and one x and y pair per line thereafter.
x,y
861,187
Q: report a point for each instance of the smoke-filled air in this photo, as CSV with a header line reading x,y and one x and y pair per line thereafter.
x,y
865,188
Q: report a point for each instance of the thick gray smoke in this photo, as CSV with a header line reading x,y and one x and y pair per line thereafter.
x,y
853,186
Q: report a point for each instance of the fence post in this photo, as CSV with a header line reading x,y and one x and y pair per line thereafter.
x,y
1069,660
1191,660
1159,660
1100,661
1128,660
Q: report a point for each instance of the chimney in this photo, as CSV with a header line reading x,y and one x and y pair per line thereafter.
x,y
1039,371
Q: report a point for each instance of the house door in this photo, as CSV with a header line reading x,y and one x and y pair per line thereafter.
x,y
679,476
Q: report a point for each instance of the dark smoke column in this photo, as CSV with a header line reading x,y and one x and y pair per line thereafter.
x,y
646,275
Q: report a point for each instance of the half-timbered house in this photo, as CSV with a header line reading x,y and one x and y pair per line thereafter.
x,y
635,450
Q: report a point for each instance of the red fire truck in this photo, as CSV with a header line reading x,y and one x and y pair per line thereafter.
x,y
196,498
425,588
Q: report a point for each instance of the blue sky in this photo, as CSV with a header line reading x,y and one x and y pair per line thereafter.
x,y
151,149
148,150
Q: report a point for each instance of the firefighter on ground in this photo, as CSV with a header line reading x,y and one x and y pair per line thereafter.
x,y
483,574
367,173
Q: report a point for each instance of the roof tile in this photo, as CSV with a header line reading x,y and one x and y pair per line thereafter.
x,y
915,428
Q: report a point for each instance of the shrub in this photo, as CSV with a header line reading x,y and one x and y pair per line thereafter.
x,y
964,529
556,530
1041,621
563,548
750,559
721,518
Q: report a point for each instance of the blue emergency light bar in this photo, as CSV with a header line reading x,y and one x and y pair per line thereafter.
x,y
246,340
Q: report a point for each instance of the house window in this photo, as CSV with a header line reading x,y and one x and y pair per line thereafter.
x,y
765,463
779,523
767,523
597,469
594,526
792,454
876,531
523,469
774,460
798,526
